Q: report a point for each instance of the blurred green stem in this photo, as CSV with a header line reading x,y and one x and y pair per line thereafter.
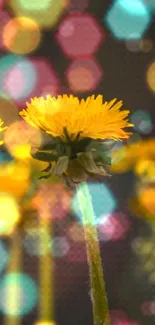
x,y
98,292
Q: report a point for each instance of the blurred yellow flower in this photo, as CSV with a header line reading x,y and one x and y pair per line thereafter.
x,y
147,200
143,203
139,156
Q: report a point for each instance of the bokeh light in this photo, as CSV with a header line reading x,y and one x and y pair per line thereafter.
x,y
18,294
46,76
150,5
21,35
19,137
128,19
79,35
113,227
143,247
84,75
14,179
76,232
8,110
5,157
52,201
118,317
142,121
22,78
18,78
45,323
146,45
133,45
33,243
2,2
40,12
25,76
77,253
150,76
4,19
59,246
102,198
9,213
4,256
148,308
146,198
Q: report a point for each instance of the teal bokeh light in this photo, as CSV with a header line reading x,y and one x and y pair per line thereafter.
x,y
12,69
151,5
3,257
128,19
142,121
102,200
18,294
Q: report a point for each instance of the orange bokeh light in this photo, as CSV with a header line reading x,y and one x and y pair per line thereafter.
x,y
21,35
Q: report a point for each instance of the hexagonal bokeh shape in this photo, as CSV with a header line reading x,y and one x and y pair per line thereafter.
x,y
84,75
22,78
45,13
128,19
79,35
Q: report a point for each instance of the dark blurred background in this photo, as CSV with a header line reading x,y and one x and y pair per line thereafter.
x,y
86,47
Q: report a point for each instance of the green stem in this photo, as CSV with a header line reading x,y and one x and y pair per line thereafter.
x,y
98,292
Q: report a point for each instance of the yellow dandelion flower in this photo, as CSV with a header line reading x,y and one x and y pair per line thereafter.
x,y
91,117
75,129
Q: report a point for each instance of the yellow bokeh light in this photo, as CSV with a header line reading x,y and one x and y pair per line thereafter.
x,y
146,45
14,179
146,198
21,35
150,76
19,138
80,79
45,12
45,323
76,232
9,213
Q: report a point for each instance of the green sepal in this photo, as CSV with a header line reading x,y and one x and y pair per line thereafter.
x,y
100,156
76,172
45,176
102,170
96,145
61,165
47,146
43,155
86,160
48,168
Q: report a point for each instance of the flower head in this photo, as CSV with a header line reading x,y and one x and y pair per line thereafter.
x,y
75,130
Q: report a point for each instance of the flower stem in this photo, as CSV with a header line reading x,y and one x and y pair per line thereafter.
x,y
46,275
98,292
